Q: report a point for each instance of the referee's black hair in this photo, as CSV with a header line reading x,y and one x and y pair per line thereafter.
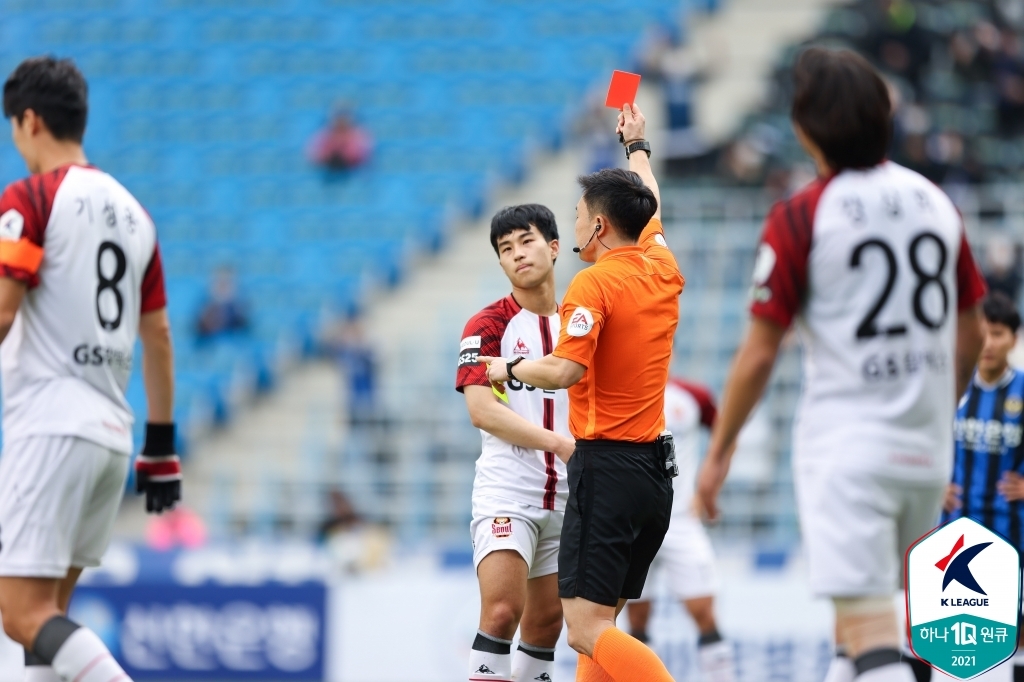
x,y
843,105
521,217
622,197
55,90
999,308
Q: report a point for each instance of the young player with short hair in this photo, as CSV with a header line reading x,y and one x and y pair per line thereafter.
x,y
988,464
80,280
520,488
872,263
686,557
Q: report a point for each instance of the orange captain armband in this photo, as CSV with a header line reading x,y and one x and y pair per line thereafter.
x,y
22,255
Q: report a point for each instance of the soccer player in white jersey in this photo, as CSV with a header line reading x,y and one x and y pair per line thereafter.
x,y
80,280
520,490
686,558
872,264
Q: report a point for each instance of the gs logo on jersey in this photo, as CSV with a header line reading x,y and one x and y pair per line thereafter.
x,y
963,598
469,350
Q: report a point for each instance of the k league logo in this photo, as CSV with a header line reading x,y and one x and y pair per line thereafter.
x,y
963,598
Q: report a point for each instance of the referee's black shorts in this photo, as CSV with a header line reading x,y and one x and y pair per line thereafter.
x,y
618,513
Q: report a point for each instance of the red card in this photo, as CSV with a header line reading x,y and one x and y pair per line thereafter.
x,y
622,89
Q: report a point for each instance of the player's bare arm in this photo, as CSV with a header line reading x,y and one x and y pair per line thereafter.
x,y
158,365
158,468
952,501
632,126
549,373
11,293
969,340
747,380
490,415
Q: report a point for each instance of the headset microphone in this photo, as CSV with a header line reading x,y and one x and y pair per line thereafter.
x,y
577,249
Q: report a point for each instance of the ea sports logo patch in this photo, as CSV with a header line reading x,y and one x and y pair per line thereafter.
x,y
580,322
501,527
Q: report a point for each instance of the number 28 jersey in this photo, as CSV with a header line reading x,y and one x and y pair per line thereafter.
x,y
87,251
874,267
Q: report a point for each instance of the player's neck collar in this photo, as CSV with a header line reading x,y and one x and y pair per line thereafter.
x,y
1004,379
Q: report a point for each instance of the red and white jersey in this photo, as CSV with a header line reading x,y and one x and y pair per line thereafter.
x,y
688,408
87,251
532,477
874,267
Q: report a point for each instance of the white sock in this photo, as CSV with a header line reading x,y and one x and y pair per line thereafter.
x,y
490,659
716,662
84,658
533,664
40,673
893,672
37,671
841,669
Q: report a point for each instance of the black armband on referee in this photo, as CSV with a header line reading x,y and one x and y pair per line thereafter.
x,y
159,439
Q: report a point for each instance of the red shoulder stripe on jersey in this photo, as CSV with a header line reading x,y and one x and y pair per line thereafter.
x,y
21,255
704,397
971,286
551,482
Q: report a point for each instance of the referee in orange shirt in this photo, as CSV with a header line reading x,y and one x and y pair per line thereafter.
x,y
618,321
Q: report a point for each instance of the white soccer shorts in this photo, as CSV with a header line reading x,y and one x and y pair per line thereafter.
x,y
59,497
686,562
857,526
505,524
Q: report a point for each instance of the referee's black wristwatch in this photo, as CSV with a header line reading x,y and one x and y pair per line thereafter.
x,y
637,146
510,364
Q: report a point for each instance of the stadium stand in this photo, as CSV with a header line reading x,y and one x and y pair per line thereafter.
x,y
203,111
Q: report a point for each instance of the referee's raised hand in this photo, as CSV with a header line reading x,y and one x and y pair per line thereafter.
x,y
632,124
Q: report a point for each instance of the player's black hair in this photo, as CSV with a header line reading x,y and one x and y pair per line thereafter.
x,y
512,218
622,197
53,88
843,105
999,308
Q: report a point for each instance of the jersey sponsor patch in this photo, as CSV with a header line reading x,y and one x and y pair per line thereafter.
x,y
501,527
763,266
580,322
660,238
11,225
469,350
520,348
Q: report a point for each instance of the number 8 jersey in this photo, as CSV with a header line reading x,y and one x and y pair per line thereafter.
x,y
87,251
874,267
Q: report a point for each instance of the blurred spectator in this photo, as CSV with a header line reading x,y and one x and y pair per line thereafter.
x,y
348,345
898,42
354,546
223,312
595,130
1009,73
180,527
341,145
1004,269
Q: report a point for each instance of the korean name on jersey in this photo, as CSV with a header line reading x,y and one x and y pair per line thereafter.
x,y
68,356
531,477
874,267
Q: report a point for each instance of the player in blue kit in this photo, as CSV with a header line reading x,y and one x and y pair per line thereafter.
x,y
988,469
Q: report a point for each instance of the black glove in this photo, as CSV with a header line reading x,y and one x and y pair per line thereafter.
x,y
158,469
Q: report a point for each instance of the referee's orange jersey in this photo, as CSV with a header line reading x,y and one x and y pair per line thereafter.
x,y
618,320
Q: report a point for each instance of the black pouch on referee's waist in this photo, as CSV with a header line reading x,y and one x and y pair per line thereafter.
x,y
666,448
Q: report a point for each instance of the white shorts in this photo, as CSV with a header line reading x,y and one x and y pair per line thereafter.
x,y
59,497
857,526
505,524
686,562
